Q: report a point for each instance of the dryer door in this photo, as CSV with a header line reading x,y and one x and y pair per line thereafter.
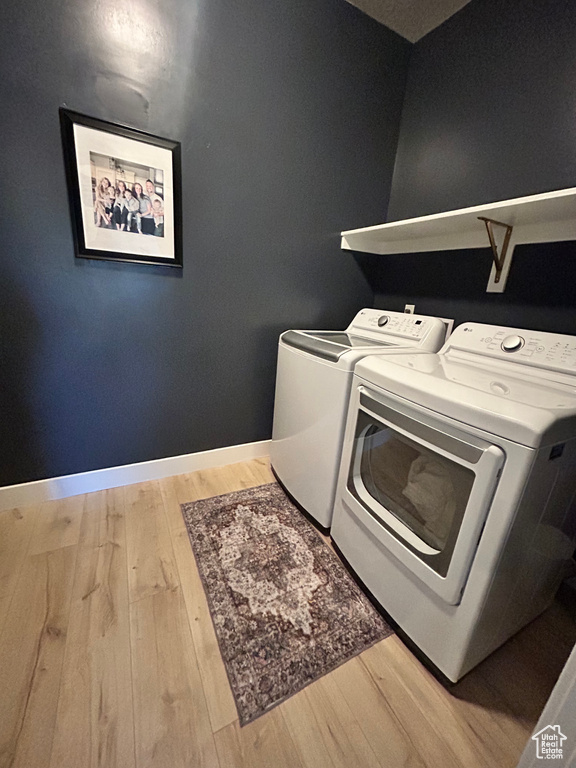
x,y
427,486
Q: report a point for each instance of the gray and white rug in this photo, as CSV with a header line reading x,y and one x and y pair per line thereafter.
x,y
284,608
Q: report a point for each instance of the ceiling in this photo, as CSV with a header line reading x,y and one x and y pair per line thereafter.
x,y
410,18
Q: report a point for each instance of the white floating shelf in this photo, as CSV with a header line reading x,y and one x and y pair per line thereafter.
x,y
544,218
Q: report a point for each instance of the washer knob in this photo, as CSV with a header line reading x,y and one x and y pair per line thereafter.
x,y
382,320
512,343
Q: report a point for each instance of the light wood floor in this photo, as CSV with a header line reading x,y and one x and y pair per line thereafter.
x,y
108,658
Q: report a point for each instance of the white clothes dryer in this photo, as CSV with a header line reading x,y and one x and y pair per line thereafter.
x,y
313,381
456,496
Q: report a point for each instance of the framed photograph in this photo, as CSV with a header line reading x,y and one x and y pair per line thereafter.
x,y
125,191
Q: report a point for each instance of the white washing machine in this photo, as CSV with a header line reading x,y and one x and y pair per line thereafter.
x,y
456,495
313,381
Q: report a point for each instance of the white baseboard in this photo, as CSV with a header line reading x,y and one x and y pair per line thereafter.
x,y
26,494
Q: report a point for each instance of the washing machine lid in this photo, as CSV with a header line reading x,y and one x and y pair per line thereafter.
x,y
370,329
330,345
527,409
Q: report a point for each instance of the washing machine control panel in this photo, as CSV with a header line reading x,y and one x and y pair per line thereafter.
x,y
392,323
536,348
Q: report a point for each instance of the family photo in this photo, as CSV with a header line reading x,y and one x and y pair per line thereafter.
x,y
127,197
125,191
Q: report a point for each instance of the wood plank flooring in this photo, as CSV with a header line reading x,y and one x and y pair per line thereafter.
x,y
108,658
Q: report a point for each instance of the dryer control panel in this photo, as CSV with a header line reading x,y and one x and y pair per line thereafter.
x,y
552,351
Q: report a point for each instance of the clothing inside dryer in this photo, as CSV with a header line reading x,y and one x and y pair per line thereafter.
x,y
425,490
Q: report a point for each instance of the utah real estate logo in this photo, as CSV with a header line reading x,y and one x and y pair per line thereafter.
x,y
549,743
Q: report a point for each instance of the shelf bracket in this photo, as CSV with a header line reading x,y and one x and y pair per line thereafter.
x,y
499,258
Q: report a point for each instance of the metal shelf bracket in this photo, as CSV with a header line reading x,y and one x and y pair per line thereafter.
x,y
499,258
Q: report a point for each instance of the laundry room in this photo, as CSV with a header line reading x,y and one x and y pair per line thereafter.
x,y
288,354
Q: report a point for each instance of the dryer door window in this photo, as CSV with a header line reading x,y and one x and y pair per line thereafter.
x,y
426,491
427,484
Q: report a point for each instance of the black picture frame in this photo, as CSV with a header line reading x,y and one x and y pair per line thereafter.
x,y
139,222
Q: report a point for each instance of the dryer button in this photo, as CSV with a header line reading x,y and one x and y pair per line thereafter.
x,y
512,343
499,388
383,320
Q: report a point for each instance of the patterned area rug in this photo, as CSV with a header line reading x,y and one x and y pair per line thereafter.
x,y
285,609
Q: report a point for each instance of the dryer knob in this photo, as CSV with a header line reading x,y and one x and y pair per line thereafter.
x,y
383,320
512,343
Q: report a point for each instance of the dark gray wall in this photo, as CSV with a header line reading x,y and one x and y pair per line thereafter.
x,y
489,114
288,115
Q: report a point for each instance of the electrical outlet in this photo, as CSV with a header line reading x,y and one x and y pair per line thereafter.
x,y
409,309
